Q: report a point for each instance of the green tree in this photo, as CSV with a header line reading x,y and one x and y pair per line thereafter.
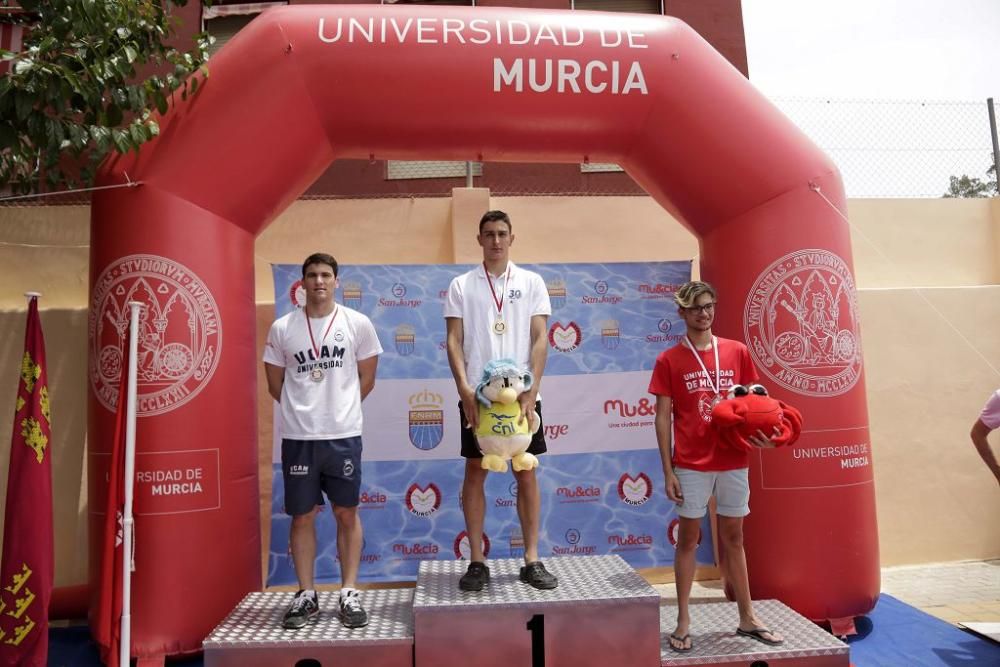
x,y
966,186
86,84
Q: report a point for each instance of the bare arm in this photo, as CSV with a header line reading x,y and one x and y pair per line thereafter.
x,y
664,439
979,434
456,360
275,380
366,374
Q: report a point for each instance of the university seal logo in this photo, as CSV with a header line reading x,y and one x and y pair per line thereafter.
x,y
426,420
801,323
180,333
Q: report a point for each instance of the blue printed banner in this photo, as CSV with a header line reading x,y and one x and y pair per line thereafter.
x,y
601,482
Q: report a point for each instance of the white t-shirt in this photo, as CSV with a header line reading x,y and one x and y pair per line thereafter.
x,y
470,299
331,408
991,411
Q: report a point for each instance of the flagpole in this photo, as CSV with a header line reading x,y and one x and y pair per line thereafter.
x,y
128,524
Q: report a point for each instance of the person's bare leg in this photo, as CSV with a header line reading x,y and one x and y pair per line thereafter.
x,y
474,507
302,541
689,530
529,507
735,563
350,537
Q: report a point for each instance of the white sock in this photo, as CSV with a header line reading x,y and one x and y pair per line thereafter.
x,y
347,592
309,592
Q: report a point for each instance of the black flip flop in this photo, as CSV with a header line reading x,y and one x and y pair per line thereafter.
x,y
681,640
758,634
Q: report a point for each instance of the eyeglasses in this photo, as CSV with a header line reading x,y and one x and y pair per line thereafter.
x,y
704,308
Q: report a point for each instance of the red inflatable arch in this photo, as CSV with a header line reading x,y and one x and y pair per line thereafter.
x,y
304,85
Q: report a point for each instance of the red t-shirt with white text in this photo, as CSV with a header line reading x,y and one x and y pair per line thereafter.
x,y
678,374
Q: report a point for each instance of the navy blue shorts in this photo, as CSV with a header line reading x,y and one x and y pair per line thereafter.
x,y
470,448
313,467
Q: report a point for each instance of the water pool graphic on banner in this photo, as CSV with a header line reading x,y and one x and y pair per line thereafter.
x,y
601,481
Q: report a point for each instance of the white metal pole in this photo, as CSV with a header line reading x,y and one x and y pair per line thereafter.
x,y
124,652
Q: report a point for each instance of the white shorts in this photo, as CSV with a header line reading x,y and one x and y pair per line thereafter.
x,y
731,489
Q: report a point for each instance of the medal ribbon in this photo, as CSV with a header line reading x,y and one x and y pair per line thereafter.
x,y
498,302
328,327
715,347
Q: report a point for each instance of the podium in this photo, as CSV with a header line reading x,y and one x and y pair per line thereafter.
x,y
602,614
252,636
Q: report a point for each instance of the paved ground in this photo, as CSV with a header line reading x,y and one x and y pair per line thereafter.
x,y
955,592
963,591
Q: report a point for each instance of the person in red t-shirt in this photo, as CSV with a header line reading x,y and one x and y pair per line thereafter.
x,y
688,380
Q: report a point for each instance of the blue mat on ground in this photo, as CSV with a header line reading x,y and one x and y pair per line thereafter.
x,y
72,647
898,635
893,635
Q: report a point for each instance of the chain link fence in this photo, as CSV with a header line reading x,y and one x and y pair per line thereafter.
x,y
887,148
883,149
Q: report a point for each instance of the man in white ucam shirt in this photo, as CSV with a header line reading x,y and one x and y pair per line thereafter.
x,y
320,364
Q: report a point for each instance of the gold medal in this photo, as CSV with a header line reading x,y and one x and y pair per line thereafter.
x,y
499,327
316,374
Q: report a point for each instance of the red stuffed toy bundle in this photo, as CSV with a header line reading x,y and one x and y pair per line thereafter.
x,y
747,409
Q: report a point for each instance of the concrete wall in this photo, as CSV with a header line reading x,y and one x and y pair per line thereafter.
x,y
928,273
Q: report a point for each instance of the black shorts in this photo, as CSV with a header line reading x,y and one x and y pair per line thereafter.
x,y
470,448
312,467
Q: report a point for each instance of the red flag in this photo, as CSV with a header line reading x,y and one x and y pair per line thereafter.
x,y
28,561
109,604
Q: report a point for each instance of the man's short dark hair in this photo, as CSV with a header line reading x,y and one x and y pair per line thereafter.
x,y
493,216
320,258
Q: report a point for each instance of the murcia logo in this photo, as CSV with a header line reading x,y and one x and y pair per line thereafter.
x,y
674,532
423,501
180,333
426,420
352,295
348,468
610,334
297,294
565,338
635,490
801,323
462,549
405,340
557,293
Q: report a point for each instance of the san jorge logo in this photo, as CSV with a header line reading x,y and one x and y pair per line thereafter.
x,y
180,332
425,501
801,323
636,490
